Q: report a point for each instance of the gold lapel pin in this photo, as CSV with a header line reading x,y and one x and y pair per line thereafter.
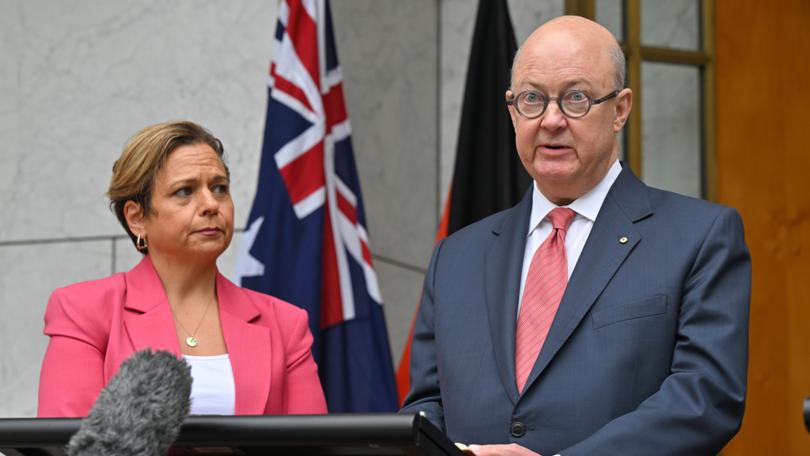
x,y
623,240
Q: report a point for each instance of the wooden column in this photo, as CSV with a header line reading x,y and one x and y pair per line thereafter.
x,y
763,169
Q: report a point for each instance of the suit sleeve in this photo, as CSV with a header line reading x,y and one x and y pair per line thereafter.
x,y
72,372
304,394
699,406
425,393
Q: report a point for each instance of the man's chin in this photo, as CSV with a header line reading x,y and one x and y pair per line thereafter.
x,y
558,184
557,172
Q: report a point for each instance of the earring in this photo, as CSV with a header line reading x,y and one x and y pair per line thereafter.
x,y
140,243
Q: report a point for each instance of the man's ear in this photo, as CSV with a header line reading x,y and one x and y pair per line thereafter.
x,y
512,112
623,106
133,213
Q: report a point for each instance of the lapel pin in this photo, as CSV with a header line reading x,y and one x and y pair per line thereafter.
x,y
623,240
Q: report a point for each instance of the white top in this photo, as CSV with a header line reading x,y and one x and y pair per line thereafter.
x,y
213,391
586,207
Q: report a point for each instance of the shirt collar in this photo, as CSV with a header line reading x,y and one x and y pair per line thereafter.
x,y
588,205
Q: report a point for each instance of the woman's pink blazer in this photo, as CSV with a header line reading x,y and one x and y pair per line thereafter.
x,y
94,326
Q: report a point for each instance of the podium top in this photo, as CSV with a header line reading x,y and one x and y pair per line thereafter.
x,y
338,434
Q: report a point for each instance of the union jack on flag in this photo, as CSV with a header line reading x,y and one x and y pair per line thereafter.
x,y
306,240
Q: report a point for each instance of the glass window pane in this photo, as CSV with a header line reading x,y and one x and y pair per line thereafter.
x,y
671,127
623,143
672,24
609,14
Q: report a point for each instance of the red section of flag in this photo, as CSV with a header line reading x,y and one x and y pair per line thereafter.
x,y
366,252
305,174
331,307
350,211
346,208
305,39
334,107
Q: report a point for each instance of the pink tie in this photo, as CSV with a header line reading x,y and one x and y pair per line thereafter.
x,y
542,293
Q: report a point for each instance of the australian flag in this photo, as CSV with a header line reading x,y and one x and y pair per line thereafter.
x,y
306,240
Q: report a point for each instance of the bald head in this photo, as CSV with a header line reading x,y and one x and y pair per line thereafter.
x,y
575,33
568,60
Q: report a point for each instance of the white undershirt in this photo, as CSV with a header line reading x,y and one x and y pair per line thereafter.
x,y
213,391
586,207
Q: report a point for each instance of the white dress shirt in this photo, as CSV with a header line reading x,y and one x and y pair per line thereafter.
x,y
586,207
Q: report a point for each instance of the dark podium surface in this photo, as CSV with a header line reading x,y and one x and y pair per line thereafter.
x,y
349,434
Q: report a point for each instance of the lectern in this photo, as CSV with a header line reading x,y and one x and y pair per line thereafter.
x,y
346,434
807,413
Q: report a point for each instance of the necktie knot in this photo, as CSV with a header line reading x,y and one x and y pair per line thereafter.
x,y
561,218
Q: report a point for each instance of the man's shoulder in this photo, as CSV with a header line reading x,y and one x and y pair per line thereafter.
x,y
482,228
679,205
689,217
639,199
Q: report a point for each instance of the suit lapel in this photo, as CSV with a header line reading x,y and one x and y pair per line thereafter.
x,y
604,252
504,262
248,347
149,323
148,317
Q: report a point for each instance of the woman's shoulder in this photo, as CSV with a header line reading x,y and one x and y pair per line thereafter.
x,y
95,285
83,310
92,292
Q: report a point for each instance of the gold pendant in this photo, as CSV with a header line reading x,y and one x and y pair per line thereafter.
x,y
192,341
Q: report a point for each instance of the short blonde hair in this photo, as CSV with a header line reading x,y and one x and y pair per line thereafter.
x,y
144,155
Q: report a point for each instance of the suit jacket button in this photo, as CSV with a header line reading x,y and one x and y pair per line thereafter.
x,y
518,429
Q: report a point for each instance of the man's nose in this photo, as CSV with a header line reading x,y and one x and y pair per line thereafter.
x,y
553,119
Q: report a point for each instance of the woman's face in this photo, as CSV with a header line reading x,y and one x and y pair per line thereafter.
x,y
191,216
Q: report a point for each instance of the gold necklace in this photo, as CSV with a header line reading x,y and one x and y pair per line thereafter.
x,y
192,340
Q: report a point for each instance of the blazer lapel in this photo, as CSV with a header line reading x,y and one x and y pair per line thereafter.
x,y
604,252
248,348
504,262
148,317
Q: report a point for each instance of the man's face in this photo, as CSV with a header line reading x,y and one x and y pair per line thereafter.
x,y
567,157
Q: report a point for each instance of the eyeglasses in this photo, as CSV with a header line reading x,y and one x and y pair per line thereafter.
x,y
531,104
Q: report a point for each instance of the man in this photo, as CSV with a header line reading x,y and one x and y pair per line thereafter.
x,y
599,315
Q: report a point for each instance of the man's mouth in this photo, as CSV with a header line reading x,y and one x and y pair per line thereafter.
x,y
555,147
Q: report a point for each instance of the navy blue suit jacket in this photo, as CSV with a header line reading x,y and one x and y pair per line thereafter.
x,y
647,353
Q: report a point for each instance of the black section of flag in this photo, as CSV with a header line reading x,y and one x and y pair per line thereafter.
x,y
488,176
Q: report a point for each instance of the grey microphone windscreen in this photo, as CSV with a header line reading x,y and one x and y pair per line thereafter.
x,y
139,413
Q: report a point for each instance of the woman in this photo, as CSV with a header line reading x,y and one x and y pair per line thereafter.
x,y
249,352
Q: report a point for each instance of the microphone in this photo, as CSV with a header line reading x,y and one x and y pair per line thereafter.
x,y
139,413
